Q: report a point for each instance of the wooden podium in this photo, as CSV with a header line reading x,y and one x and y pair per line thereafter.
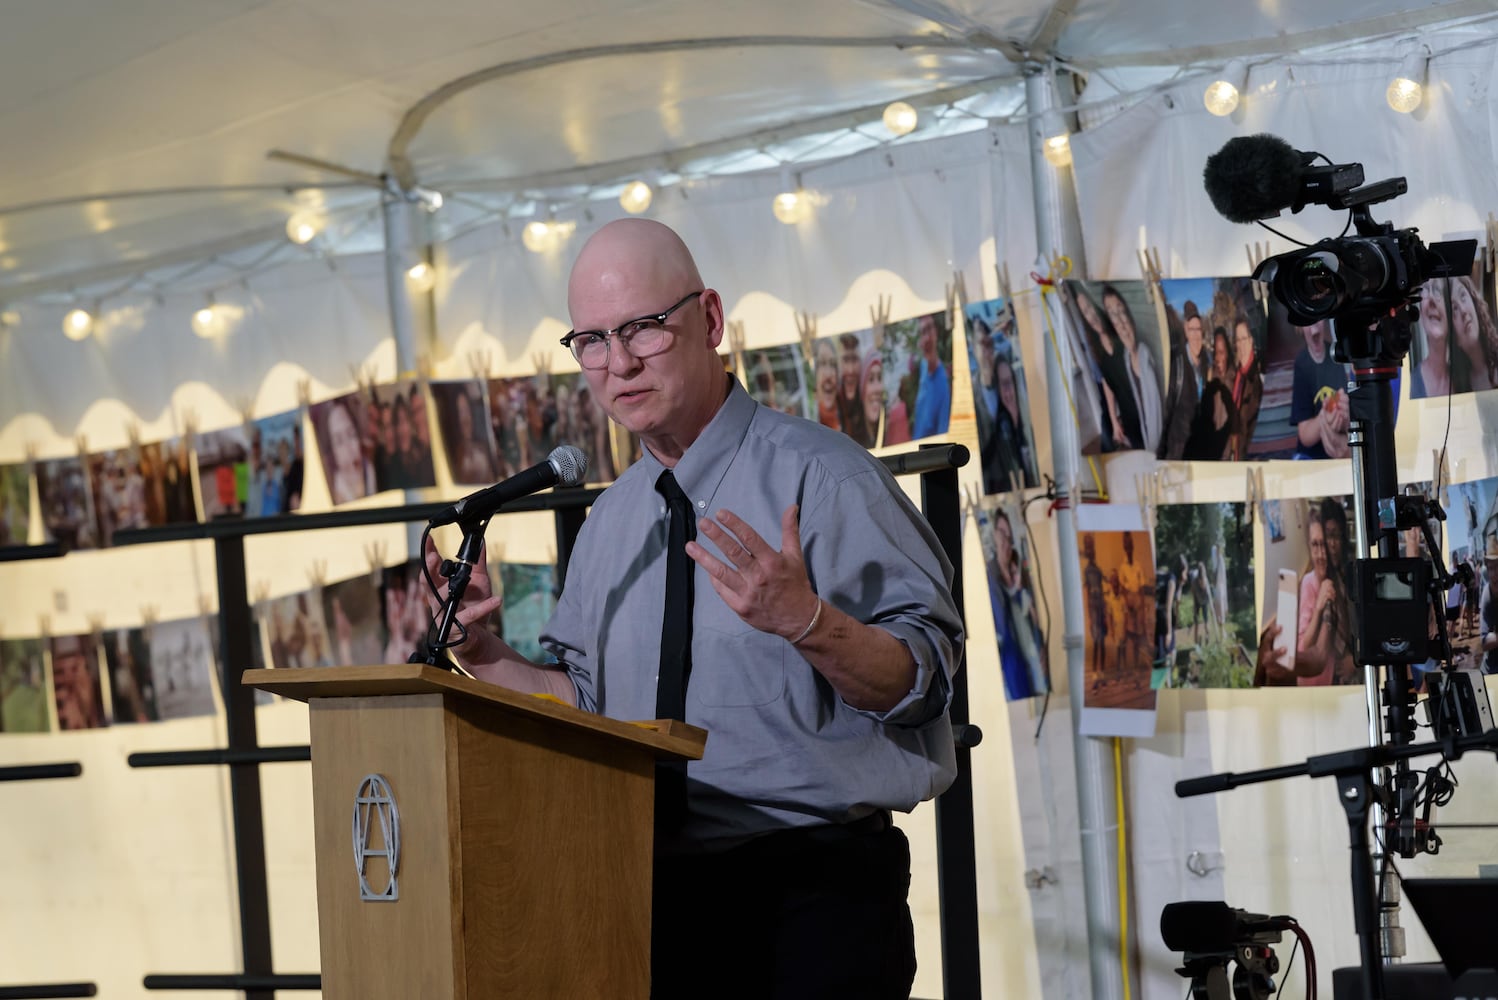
x,y
522,851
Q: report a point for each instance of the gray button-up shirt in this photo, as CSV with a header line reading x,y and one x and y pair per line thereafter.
x,y
783,749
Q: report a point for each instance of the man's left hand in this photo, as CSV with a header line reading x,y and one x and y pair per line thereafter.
x,y
767,589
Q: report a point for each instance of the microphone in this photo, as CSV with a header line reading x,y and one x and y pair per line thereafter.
x,y
563,467
1207,927
1257,177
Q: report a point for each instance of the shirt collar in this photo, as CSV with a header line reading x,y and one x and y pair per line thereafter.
x,y
702,467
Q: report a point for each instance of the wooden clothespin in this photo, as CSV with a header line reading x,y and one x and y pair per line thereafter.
x,y
148,615
189,423
1490,252
82,441
1440,475
1254,496
478,363
423,373
132,434
259,592
1256,253
44,627
317,573
1147,496
879,319
31,452
205,605
374,554
735,330
1149,266
542,362
95,621
304,392
1006,287
806,330
496,547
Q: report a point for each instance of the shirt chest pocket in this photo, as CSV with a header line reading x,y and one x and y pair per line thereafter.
x,y
733,664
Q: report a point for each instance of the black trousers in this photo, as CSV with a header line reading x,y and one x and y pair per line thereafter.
x,y
794,915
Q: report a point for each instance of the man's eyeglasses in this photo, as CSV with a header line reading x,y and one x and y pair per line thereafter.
x,y
642,337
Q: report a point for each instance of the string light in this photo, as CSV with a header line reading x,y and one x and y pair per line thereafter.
x,y
900,118
422,277
1056,141
304,225
1223,94
78,323
635,198
209,322
1407,89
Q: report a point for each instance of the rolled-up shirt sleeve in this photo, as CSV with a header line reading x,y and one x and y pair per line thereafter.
x,y
871,553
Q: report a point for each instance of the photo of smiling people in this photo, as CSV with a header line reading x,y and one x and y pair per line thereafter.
x,y
1011,594
1204,596
1307,572
1112,326
1001,401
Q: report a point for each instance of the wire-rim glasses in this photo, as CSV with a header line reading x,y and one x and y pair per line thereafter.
x,y
642,337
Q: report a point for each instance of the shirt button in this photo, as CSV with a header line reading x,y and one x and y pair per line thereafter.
x,y
701,504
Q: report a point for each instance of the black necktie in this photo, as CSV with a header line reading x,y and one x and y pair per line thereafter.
x,y
676,648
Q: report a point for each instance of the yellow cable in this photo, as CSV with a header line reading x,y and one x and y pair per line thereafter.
x,y
1123,865
1049,288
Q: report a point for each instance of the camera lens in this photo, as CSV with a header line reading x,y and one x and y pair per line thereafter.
x,y
1312,286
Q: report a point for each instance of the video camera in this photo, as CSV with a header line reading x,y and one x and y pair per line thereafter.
x,y
1211,935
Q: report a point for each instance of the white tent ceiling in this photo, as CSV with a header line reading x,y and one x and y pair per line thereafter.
x,y
136,133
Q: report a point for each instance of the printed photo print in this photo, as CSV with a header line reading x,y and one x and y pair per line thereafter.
x,y
182,668
1205,633
1454,347
132,691
66,504
295,632
341,426
1217,381
917,378
15,504
1011,595
1115,340
532,415
843,366
1306,595
399,442
1471,611
403,602
529,591
276,466
224,471
142,486
1001,399
75,683
1119,595
467,437
351,609
23,687
779,378
581,422
1304,414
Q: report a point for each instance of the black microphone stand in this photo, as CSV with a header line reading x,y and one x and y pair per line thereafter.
x,y
433,647
1354,770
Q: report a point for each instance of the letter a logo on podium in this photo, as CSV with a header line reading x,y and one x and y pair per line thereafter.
x,y
377,835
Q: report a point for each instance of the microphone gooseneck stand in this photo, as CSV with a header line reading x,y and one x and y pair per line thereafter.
x,y
433,647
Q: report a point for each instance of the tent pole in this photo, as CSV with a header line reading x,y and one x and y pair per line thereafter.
x,y
1058,231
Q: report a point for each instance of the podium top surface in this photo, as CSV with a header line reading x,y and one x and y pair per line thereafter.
x,y
667,737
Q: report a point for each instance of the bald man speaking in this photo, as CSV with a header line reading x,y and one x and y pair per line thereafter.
x,y
765,578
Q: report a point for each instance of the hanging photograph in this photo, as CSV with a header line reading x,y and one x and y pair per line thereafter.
x,y
351,609
1454,344
1304,414
1001,399
224,471
66,506
1113,327
276,465
15,504
1205,634
522,417
75,683
1217,384
777,377
1472,611
467,438
295,632
399,441
529,591
132,694
23,687
1306,595
1012,598
582,423
841,362
917,355
1118,597
182,668
119,492
341,426
407,615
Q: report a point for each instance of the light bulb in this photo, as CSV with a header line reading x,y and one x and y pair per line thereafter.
x,y
303,226
208,322
1057,150
78,323
422,276
790,207
635,197
10,318
900,118
1407,89
1221,98
537,236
